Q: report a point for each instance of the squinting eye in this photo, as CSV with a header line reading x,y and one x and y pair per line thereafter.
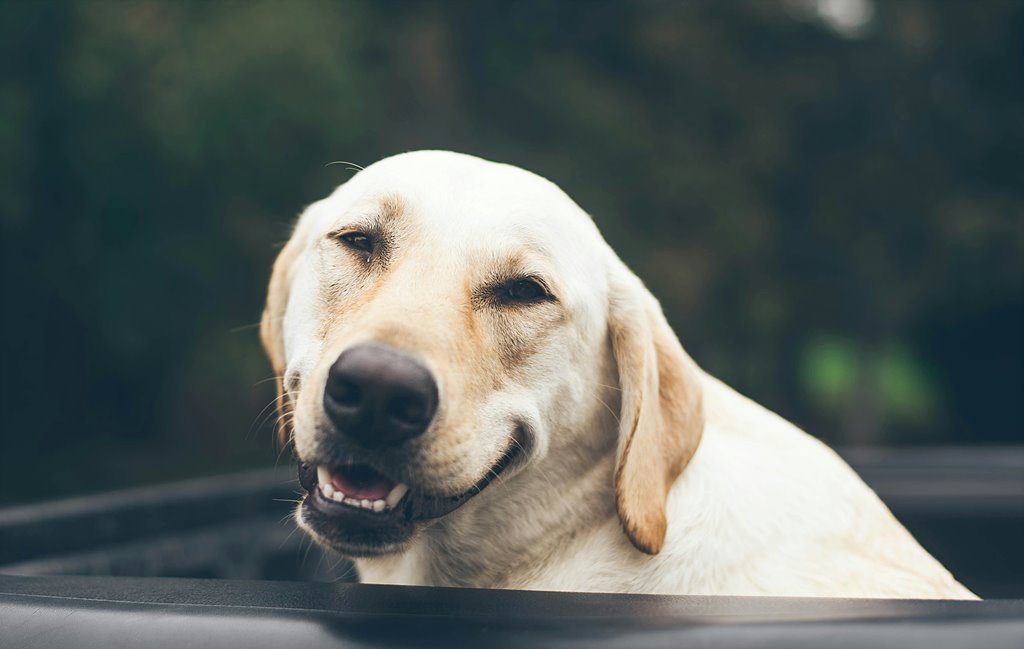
x,y
524,291
357,240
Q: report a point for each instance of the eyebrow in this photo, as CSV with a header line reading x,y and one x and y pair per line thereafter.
x,y
377,216
390,207
521,265
513,266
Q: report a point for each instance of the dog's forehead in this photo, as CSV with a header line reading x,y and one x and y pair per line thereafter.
x,y
464,198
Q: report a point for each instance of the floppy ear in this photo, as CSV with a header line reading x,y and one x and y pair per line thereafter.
x,y
661,419
271,333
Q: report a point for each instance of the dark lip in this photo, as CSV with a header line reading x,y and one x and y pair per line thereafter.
x,y
415,506
428,506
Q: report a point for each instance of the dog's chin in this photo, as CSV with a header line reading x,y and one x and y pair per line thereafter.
x,y
351,532
359,512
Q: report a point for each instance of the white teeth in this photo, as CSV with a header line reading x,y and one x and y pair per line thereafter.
x,y
397,492
323,476
326,485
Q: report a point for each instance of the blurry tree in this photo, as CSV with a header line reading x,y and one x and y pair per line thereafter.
x,y
830,211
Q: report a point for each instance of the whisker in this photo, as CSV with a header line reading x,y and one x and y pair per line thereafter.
x,y
269,378
284,447
245,327
350,570
295,529
319,563
265,414
306,554
594,393
262,417
352,166
608,408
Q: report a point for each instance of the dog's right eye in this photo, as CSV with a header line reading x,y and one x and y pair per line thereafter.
x,y
526,290
356,240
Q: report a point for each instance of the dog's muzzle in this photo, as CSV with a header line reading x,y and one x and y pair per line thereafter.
x,y
377,398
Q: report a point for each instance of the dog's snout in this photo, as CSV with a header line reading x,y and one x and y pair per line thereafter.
x,y
379,396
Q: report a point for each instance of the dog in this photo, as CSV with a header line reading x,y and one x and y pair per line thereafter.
x,y
481,394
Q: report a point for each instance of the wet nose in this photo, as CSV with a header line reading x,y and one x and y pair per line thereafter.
x,y
379,396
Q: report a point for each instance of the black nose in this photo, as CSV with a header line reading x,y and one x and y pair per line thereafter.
x,y
379,395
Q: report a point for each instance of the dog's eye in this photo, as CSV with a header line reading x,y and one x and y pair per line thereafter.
x,y
357,240
523,291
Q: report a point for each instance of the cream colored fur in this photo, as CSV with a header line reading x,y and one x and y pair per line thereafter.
x,y
641,473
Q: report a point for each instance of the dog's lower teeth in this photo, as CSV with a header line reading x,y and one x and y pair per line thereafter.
x,y
326,487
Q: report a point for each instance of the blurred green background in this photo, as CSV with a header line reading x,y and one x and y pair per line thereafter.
x,y
827,196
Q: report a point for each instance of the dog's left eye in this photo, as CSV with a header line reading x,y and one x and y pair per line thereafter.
x,y
523,291
357,240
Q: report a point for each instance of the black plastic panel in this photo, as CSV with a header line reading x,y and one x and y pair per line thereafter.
x,y
108,613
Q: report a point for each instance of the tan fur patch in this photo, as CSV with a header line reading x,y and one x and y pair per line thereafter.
x,y
391,207
386,226
515,331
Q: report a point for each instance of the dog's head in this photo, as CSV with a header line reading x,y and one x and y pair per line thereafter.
x,y
440,320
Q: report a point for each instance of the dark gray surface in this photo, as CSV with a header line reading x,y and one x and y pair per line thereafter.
x,y
88,522
110,612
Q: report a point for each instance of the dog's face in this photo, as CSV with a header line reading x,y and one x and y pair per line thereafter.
x,y
440,320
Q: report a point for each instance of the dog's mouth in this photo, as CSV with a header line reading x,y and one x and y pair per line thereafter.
x,y
359,486
362,512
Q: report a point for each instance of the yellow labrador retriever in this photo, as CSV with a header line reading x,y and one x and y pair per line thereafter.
x,y
480,393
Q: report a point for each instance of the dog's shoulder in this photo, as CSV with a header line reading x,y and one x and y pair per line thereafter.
x,y
766,507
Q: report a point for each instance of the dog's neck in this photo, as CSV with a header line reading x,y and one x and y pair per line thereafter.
x,y
502,537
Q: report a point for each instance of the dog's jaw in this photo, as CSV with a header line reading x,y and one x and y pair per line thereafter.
x,y
358,526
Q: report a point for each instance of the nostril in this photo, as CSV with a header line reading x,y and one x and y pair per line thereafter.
x,y
408,409
345,393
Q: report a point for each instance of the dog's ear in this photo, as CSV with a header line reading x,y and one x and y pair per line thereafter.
x,y
271,325
661,418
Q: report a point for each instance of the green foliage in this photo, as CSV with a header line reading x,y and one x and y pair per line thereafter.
x,y
829,370
838,375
